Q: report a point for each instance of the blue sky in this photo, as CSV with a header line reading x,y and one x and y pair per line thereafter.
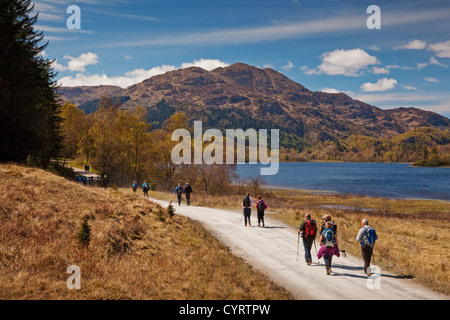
x,y
324,45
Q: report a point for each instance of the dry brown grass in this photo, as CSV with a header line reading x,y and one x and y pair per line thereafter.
x,y
414,236
132,254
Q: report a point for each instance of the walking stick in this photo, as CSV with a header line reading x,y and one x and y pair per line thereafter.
x,y
298,242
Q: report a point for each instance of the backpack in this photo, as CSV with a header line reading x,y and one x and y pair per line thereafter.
x,y
329,238
179,190
369,237
146,187
246,201
310,228
261,206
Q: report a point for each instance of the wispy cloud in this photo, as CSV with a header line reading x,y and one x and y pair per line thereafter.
x,y
353,22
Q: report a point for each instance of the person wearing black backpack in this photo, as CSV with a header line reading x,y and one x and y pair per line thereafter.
x,y
367,236
145,188
247,203
179,192
308,232
261,205
188,190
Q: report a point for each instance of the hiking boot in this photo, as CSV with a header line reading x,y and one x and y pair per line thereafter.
x,y
259,225
328,268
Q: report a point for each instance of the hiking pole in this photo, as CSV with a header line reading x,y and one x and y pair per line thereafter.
x,y
298,243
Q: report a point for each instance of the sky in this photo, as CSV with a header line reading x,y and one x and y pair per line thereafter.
x,y
396,54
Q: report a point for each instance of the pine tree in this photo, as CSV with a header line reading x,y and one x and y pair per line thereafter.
x,y
171,210
84,235
29,111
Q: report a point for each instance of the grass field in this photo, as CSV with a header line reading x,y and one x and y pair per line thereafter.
x,y
136,250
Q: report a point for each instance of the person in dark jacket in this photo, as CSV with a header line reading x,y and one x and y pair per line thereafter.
x,y
188,190
179,192
261,205
308,232
247,203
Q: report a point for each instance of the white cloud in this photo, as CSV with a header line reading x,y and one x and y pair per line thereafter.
x,y
442,49
77,64
136,75
377,70
431,79
409,88
330,90
383,84
288,66
207,64
434,61
346,62
414,45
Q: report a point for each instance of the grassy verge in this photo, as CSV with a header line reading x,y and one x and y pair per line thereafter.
x,y
136,250
414,238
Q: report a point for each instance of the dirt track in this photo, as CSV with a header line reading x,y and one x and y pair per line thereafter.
x,y
273,251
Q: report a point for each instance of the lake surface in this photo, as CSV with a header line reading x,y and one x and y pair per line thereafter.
x,y
388,180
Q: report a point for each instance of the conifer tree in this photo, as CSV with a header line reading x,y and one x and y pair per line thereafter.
x,y
29,112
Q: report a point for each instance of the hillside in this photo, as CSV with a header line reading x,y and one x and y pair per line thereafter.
x,y
243,96
133,253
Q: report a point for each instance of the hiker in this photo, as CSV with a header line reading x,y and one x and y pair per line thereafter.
x,y
366,238
145,188
325,219
179,192
329,246
134,186
247,203
86,168
308,232
188,190
261,205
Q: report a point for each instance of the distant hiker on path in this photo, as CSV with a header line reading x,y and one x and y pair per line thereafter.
x,y
179,192
308,232
367,236
247,203
134,186
188,190
329,246
145,188
86,168
261,205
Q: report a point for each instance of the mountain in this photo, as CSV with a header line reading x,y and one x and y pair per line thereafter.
x,y
243,96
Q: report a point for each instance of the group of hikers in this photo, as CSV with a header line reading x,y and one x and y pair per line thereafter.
x,y
179,191
261,206
328,240
308,230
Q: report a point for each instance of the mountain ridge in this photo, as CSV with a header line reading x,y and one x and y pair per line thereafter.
x,y
245,96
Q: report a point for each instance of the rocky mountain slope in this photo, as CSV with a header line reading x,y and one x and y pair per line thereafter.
x,y
243,96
